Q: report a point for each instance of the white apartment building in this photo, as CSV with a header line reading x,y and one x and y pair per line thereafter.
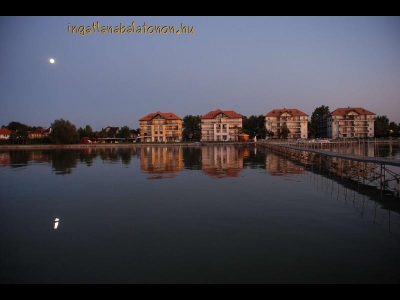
x,y
350,122
161,127
293,119
221,125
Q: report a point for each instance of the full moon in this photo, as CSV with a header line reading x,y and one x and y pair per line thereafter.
x,y
52,61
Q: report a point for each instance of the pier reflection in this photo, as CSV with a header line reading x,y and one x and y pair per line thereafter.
x,y
360,148
161,162
368,201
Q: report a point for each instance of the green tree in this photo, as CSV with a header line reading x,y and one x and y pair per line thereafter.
x,y
311,130
103,133
89,131
254,126
284,132
125,132
381,126
191,127
85,132
393,129
81,132
19,133
262,133
63,132
316,117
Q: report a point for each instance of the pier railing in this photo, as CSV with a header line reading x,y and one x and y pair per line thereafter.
x,y
384,172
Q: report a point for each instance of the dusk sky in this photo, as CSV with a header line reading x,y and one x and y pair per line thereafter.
x,y
248,64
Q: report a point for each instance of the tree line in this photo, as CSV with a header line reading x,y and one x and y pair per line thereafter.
x,y
64,132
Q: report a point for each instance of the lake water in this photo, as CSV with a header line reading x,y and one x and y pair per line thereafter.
x,y
216,214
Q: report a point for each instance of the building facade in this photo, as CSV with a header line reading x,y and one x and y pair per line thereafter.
x,y
350,122
160,127
37,134
294,120
221,125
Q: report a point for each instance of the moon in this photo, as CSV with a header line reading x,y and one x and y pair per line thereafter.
x,y
52,61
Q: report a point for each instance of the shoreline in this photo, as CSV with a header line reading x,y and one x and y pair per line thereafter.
x,y
86,146
138,145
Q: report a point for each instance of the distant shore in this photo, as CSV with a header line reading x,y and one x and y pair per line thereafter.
x,y
122,145
135,145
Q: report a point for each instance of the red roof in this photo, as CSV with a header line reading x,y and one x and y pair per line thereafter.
x,y
229,113
167,116
5,131
345,111
294,112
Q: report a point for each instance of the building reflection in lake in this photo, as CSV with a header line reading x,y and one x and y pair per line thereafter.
x,y
5,159
222,161
280,166
161,162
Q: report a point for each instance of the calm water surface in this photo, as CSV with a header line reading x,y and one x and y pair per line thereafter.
x,y
189,215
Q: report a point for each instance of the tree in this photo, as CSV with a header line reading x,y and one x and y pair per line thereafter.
x,y
381,126
316,117
125,132
63,132
254,126
262,133
393,129
103,133
311,130
19,131
191,127
284,132
81,132
87,132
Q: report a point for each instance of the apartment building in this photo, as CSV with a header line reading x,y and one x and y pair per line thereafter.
x,y
161,127
219,125
350,122
296,121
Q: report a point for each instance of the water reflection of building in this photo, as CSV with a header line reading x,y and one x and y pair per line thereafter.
x,y
222,161
4,159
161,161
281,166
39,156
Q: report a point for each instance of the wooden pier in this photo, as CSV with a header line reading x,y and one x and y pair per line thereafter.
x,y
367,170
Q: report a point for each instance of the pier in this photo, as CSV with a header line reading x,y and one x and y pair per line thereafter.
x,y
383,172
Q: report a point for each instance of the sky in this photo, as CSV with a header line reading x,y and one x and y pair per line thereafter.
x,y
247,64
